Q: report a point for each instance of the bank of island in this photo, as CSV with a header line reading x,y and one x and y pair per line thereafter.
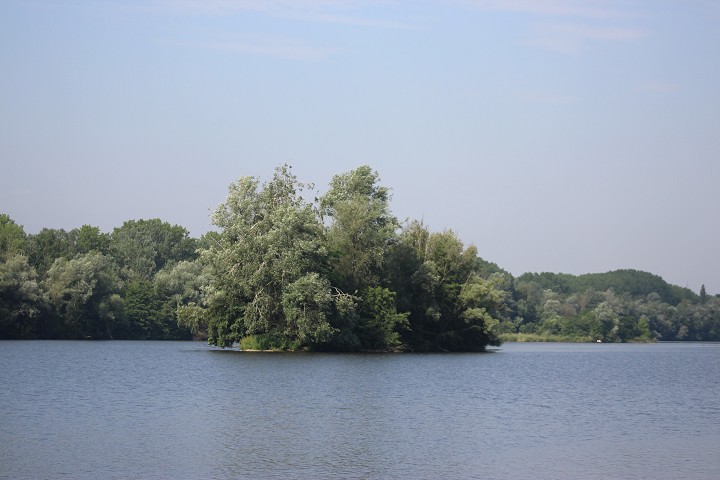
x,y
339,273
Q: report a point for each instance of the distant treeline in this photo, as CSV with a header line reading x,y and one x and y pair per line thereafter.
x,y
339,273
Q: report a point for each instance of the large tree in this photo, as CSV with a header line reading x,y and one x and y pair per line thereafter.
x,y
143,247
84,293
451,306
361,228
267,264
20,298
49,244
12,237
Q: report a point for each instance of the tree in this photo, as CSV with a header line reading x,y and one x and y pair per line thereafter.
x,y
88,239
180,288
361,228
451,306
143,247
380,325
12,237
46,246
307,304
20,299
84,293
269,240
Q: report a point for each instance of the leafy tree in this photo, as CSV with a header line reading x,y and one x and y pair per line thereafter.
x,y
182,283
48,245
361,228
88,239
12,237
20,299
143,247
269,239
145,312
307,304
84,293
453,307
180,288
380,323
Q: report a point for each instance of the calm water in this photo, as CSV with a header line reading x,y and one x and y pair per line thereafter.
x,y
181,410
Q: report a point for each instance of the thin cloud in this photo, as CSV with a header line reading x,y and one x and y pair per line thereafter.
x,y
556,8
571,38
577,22
317,11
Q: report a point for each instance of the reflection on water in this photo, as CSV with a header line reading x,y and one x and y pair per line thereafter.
x,y
182,410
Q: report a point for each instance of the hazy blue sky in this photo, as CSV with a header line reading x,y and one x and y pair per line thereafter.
x,y
555,135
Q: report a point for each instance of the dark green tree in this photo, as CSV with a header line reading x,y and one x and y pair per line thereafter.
x,y
46,246
20,299
88,239
143,247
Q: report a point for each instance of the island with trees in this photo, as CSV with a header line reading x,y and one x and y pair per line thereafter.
x,y
338,273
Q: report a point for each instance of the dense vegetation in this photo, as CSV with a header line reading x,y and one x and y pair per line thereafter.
x,y
336,273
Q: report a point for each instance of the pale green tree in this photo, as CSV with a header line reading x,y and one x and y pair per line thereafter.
x,y
269,239
12,237
181,288
84,293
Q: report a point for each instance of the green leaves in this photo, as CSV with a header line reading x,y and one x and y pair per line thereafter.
x,y
81,291
143,247
12,237
270,240
361,228
20,298
307,305
338,273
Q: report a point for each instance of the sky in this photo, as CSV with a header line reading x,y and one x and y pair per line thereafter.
x,y
554,135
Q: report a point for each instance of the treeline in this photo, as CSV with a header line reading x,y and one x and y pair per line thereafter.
x,y
337,273
84,283
619,306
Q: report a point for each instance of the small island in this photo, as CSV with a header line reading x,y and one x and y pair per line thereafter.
x,y
336,273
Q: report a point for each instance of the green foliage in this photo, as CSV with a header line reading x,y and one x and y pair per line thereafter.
x,y
381,325
450,306
143,309
47,246
267,342
143,247
631,282
361,228
339,274
84,293
88,239
12,237
269,239
20,299
306,305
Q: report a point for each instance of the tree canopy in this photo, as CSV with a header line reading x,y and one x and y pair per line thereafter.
x,y
337,273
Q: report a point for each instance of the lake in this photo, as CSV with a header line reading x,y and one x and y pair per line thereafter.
x,y
183,410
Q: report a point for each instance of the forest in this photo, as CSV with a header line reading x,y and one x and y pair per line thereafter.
x,y
338,273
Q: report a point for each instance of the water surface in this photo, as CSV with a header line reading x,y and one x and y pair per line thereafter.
x,y
182,410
